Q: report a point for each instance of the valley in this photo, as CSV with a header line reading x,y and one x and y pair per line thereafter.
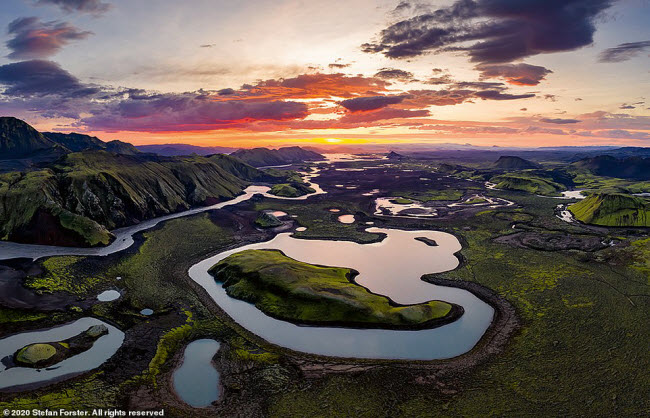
x,y
461,245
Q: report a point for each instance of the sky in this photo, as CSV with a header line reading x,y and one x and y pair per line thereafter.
x,y
517,73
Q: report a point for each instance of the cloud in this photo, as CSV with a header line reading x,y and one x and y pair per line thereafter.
x,y
493,31
623,52
95,7
499,95
559,121
307,86
41,78
443,79
338,65
33,38
518,74
360,104
394,74
627,106
187,111
381,114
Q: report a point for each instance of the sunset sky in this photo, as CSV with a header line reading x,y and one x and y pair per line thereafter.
x,y
275,72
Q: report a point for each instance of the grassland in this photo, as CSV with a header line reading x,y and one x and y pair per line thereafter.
x,y
308,294
291,190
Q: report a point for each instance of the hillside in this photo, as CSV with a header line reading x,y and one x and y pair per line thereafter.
x,y
634,168
79,142
514,163
84,195
19,140
528,182
612,210
264,157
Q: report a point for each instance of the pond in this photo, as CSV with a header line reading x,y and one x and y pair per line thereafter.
x,y
398,278
196,381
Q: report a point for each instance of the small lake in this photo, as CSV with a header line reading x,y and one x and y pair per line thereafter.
x,y
109,296
102,350
196,381
399,278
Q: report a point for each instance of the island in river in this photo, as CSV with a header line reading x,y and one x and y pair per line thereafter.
x,y
309,294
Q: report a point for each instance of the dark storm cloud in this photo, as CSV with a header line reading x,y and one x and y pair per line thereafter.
x,y
623,52
559,121
499,95
394,74
360,104
518,74
95,7
501,30
42,78
33,38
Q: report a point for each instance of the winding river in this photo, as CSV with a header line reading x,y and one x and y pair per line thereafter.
x,y
398,276
124,236
102,350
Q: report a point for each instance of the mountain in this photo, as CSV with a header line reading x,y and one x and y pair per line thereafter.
x,y
612,209
635,168
395,156
19,140
80,142
85,194
24,148
514,163
170,150
264,157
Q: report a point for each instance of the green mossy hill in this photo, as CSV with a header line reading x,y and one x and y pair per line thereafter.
x,y
401,201
612,210
19,140
79,199
308,294
528,182
267,220
261,157
291,190
46,354
514,163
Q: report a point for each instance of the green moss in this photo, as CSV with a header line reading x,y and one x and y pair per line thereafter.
x,y
291,190
144,273
612,210
35,353
401,201
15,315
61,276
528,182
267,220
431,195
292,290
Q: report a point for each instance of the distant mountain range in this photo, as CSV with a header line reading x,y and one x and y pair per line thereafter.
x,y
264,157
170,150
634,168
